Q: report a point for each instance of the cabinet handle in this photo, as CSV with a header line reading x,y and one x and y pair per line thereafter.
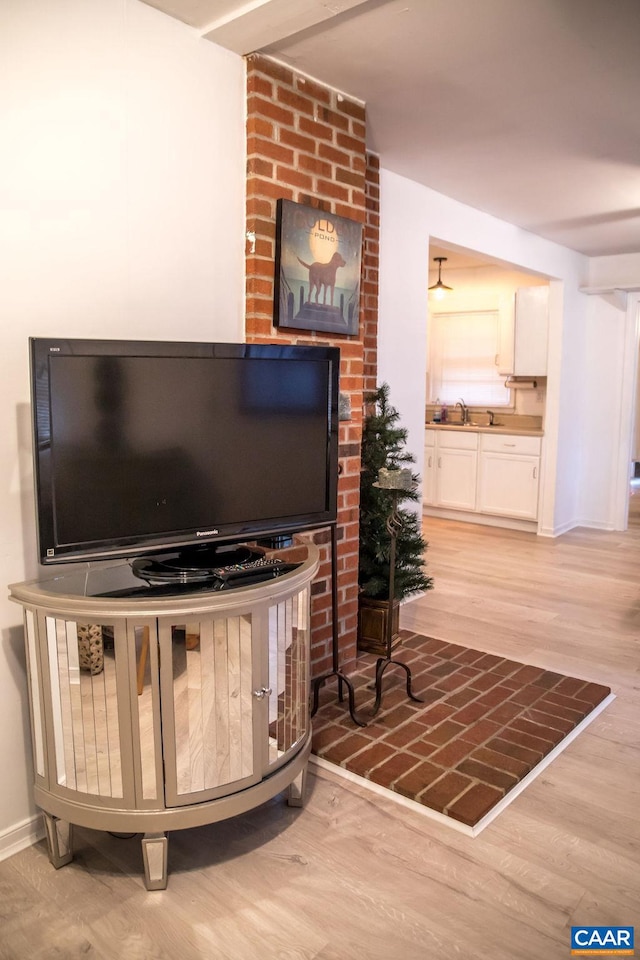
x,y
535,473
262,693
430,460
508,444
439,461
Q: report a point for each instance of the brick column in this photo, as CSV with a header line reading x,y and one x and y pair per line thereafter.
x,y
306,143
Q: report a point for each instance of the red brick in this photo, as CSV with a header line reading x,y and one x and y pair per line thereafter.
x,y
404,735
474,804
444,791
272,68
593,693
271,149
436,714
451,754
259,84
369,758
528,674
291,138
267,108
258,126
548,679
480,771
339,751
349,143
471,713
500,761
326,736
392,769
546,719
295,100
313,89
574,706
488,661
505,712
351,108
331,189
526,696
329,152
479,732
444,732
294,178
417,780
319,131
498,745
336,120
313,165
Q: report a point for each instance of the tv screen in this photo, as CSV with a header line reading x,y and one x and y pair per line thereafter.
x,y
144,446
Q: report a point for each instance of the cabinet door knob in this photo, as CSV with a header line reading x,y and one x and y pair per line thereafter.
x,y
262,693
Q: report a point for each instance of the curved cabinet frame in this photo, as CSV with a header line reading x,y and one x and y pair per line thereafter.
x,y
186,710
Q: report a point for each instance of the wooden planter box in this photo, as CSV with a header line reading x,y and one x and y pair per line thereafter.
x,y
372,625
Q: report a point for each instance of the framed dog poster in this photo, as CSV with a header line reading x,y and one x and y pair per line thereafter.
x,y
318,259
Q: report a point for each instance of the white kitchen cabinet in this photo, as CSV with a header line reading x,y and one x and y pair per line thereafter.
x,y
456,465
524,334
531,332
509,472
429,472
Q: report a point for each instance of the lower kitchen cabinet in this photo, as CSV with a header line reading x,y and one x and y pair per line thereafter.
x,y
429,473
509,476
487,474
453,476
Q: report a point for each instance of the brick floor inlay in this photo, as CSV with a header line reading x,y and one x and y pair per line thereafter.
x,y
485,723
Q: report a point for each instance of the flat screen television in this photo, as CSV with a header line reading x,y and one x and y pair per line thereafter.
x,y
143,447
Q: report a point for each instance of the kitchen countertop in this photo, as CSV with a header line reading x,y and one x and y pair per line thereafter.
x,y
484,428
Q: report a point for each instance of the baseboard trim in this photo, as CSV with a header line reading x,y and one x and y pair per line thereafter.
x,y
484,519
22,835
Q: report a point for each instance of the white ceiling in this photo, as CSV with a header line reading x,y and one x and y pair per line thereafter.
x,y
525,109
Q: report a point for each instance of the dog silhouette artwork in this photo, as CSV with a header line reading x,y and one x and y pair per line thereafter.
x,y
322,277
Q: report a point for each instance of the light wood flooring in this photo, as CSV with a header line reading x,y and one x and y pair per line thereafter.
x,y
354,876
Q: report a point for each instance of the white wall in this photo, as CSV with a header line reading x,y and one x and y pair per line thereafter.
x,y
621,270
410,214
123,209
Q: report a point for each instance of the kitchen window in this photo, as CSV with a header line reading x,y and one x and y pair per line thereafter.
x,y
463,357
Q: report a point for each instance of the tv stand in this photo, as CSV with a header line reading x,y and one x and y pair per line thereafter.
x,y
191,565
215,723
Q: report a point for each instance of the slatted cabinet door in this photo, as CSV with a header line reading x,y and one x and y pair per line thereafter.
x,y
89,741
211,708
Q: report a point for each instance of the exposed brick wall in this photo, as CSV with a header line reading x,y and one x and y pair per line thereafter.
x,y
306,143
370,272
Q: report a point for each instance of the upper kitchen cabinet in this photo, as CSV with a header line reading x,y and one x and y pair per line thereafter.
x,y
531,332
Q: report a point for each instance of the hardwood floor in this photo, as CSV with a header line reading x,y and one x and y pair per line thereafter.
x,y
353,876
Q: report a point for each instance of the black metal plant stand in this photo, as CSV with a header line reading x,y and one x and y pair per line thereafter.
x,y
393,524
335,671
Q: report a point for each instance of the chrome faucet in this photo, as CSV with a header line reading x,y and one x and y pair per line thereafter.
x,y
491,416
464,412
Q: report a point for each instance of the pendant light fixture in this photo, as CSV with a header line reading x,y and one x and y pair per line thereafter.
x,y
439,289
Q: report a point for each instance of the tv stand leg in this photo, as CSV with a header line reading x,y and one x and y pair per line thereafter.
x,y
59,840
154,856
296,789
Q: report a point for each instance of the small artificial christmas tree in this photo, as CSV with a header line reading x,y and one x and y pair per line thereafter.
x,y
383,445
